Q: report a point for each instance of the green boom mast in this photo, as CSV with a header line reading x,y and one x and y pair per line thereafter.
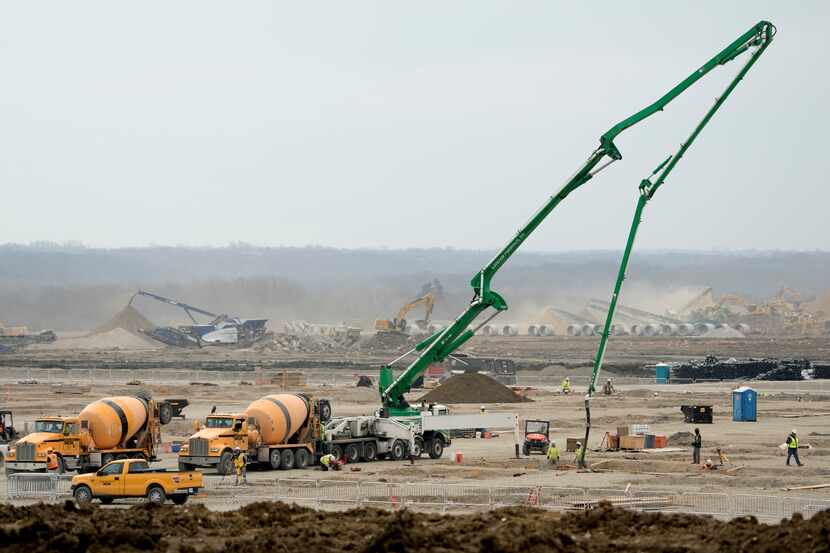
x,y
762,38
443,343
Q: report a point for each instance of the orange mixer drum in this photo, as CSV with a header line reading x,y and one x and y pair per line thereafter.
x,y
279,416
113,420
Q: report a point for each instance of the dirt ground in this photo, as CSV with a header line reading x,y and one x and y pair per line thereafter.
x,y
754,447
280,527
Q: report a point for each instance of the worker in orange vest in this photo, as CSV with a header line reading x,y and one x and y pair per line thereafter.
x,y
52,462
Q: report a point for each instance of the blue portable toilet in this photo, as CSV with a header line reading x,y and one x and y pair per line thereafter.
x,y
744,404
661,373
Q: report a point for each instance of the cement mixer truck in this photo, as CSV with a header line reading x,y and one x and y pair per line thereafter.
x,y
285,431
123,427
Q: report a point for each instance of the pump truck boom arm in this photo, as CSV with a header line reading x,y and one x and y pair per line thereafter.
x,y
441,344
760,37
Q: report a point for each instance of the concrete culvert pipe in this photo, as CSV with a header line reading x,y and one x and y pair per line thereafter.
x,y
574,330
703,328
114,420
685,329
587,329
618,329
510,330
636,330
279,416
651,330
533,330
743,328
668,329
545,330
722,325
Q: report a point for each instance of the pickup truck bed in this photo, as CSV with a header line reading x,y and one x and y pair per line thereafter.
x,y
134,478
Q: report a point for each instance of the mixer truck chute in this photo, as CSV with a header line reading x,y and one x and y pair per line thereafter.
x,y
122,427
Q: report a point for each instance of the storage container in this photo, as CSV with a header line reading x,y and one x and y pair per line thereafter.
x,y
660,441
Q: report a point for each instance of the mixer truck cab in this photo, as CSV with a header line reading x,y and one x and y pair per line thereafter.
x,y
59,434
212,445
122,427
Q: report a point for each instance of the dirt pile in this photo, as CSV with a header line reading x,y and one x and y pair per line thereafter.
x,y
386,341
680,439
472,388
280,527
129,319
117,338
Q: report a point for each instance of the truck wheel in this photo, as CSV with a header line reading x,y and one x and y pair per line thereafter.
x,y
398,451
352,453
107,458
83,496
435,448
337,451
370,451
156,495
179,499
300,459
225,465
325,411
275,459
165,413
526,450
419,447
287,459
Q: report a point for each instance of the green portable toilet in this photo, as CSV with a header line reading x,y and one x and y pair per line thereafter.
x,y
662,372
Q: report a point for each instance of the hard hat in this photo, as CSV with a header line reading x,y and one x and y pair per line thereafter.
x,y
237,449
578,443
482,408
794,432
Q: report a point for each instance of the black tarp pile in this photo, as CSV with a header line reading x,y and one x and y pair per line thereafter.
x,y
713,368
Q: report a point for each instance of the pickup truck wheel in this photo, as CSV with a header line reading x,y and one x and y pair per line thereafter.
x,y
287,459
435,448
370,451
179,499
352,453
300,459
526,450
398,451
83,496
225,465
156,495
106,500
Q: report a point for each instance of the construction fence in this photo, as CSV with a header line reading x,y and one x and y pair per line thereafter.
x,y
451,498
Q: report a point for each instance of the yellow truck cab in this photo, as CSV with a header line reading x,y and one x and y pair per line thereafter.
x,y
213,444
135,478
60,434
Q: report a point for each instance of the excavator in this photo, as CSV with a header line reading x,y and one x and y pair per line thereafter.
x,y
444,342
399,324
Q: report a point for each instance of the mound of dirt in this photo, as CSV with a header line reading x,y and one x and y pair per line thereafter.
x,y
117,338
385,341
680,438
280,527
472,388
129,319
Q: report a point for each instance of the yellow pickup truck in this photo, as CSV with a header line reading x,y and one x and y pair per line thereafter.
x,y
135,478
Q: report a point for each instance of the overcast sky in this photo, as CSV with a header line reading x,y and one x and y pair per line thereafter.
x,y
390,124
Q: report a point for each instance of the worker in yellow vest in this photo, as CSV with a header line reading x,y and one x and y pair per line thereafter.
x,y
792,448
566,385
553,454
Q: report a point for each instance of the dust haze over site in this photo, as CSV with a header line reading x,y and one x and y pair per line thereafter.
x,y
378,128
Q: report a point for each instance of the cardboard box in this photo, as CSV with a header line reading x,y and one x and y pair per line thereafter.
x,y
632,442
